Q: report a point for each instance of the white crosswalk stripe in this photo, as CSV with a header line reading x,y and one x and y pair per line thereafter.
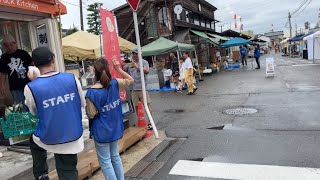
x,y
243,171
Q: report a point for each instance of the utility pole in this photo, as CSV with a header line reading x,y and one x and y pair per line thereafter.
x,y
81,15
296,29
290,24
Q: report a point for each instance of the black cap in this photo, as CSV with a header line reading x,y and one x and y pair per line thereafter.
x,y
42,56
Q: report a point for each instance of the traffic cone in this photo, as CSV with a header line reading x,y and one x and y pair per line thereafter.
x,y
142,121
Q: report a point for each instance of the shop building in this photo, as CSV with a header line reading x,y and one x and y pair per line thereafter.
x,y
182,21
33,24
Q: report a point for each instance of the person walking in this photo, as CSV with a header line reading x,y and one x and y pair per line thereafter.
x,y
104,111
257,55
134,71
189,74
182,71
14,64
56,98
175,71
243,52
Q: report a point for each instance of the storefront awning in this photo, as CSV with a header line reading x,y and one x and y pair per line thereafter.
x,y
43,6
219,37
205,36
297,38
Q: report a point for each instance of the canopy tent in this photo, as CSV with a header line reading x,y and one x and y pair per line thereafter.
x,y
83,45
231,33
235,42
219,37
205,36
163,46
313,41
257,40
297,38
285,41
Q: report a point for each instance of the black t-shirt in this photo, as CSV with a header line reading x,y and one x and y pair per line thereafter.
x,y
16,67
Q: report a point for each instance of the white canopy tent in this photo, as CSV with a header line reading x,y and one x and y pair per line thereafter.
x,y
313,42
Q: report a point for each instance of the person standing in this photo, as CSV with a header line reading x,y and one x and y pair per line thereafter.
x,y
175,71
134,71
14,64
189,74
243,52
182,72
56,98
106,119
257,55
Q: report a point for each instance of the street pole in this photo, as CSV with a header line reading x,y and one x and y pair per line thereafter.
x,y
296,29
144,93
290,25
81,15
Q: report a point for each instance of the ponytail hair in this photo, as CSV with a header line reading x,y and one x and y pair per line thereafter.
x,y
102,72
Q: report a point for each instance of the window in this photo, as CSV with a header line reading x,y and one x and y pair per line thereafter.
x,y
24,36
183,15
163,17
203,22
196,19
208,23
212,25
191,17
187,16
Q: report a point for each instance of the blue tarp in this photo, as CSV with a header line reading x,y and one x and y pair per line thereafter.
x,y
297,38
235,42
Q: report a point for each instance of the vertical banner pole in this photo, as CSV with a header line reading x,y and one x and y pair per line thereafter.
x,y
144,93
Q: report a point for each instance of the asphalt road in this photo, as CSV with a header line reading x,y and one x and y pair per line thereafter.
x,y
285,132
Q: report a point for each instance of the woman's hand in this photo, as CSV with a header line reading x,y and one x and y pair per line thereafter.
x,y
116,64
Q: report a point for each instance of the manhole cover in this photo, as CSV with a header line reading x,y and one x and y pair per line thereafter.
x,y
241,111
175,111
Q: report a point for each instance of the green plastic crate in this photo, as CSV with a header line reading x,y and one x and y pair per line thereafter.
x,y
17,124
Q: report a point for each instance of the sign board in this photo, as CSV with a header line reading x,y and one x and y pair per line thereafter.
x,y
111,46
134,4
44,6
42,36
270,67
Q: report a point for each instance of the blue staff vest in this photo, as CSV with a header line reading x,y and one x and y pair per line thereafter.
x,y
107,126
58,108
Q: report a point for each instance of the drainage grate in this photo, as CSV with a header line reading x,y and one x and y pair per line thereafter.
x,y
175,111
154,161
216,128
197,159
241,111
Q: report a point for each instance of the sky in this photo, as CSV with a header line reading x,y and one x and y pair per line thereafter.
x,y
257,15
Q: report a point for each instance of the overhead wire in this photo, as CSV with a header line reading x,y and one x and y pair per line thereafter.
x,y
304,8
301,5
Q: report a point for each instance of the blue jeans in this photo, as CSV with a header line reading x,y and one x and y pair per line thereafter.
x,y
18,97
109,160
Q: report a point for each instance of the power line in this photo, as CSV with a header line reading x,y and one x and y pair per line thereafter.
x,y
301,5
304,8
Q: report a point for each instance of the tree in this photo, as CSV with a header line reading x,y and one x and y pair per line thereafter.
x,y
72,30
94,18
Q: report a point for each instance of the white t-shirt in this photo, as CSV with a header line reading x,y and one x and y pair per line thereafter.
x,y
182,71
188,63
67,148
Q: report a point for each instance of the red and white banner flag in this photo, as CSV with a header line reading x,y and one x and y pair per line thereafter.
x,y
235,22
110,40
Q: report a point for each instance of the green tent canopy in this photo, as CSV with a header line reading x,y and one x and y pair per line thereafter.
x,y
205,36
163,46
